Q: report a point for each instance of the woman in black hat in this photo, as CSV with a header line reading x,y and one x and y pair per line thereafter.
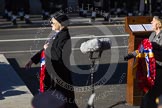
x,y
55,71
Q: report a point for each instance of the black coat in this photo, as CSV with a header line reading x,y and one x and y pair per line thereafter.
x,y
57,58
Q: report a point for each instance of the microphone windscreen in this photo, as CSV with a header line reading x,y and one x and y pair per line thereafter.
x,y
90,46
105,43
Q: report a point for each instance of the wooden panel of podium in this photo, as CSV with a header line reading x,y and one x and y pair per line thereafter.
x,y
134,94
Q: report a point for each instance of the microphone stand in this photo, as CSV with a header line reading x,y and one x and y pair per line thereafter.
x,y
92,71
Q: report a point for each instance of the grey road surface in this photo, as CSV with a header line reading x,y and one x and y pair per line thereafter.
x,y
20,44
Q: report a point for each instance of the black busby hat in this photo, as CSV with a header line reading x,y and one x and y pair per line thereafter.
x,y
61,18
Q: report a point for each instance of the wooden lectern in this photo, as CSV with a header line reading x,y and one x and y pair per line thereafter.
x,y
134,94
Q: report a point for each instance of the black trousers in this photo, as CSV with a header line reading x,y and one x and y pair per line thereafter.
x,y
20,5
45,5
8,5
149,98
69,94
106,5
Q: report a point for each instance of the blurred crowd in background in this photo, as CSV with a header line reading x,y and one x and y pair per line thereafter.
x,y
93,8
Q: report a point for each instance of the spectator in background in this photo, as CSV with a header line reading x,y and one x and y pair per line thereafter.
x,y
45,9
23,7
52,6
85,6
7,12
132,7
80,3
106,9
156,7
57,5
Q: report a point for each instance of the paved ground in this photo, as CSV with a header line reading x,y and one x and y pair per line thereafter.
x,y
13,92
21,42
